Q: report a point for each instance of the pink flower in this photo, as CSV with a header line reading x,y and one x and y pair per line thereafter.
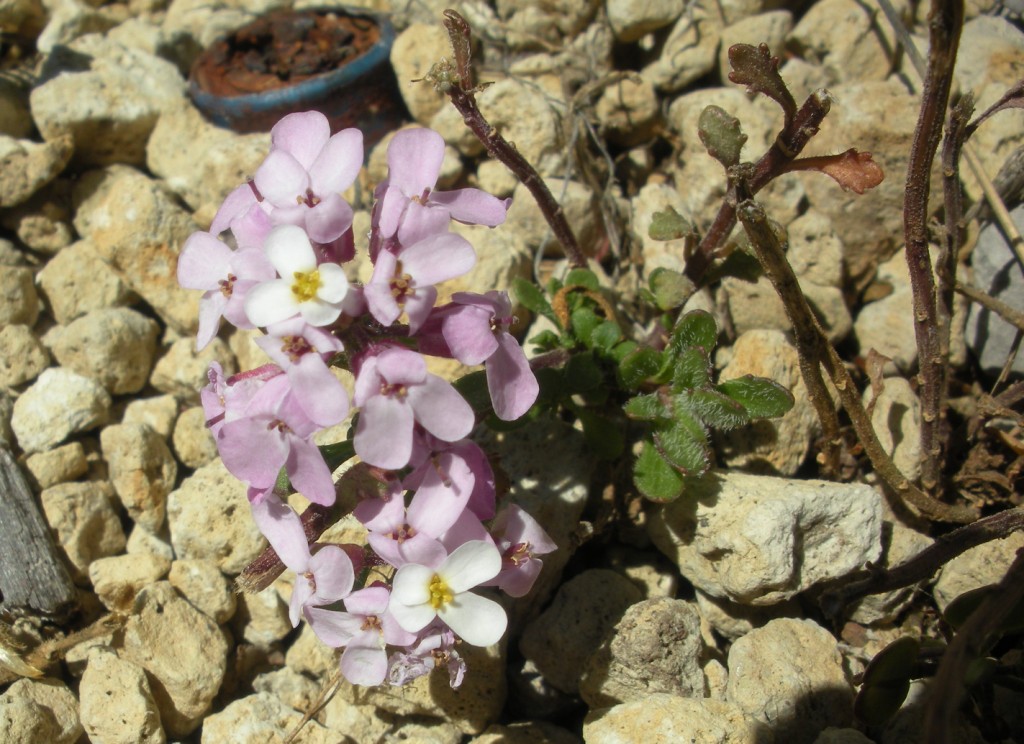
x,y
410,209
435,649
521,539
439,465
394,392
306,171
320,578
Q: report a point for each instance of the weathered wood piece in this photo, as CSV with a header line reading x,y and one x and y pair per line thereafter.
x,y
32,576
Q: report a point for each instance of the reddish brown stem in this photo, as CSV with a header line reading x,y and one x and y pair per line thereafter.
x,y
946,20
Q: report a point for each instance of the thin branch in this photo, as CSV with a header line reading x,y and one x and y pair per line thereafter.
x,y
767,245
1002,215
1011,315
458,84
923,565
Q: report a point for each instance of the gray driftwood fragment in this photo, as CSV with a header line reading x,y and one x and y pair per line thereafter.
x,y
32,576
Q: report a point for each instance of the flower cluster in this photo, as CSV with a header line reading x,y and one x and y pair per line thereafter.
x,y
273,259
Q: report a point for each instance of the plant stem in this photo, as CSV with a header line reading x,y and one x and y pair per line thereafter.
x,y
767,246
946,19
923,565
789,143
462,95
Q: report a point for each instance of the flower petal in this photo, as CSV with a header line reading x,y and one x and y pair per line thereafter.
x,y
289,250
270,302
472,206
334,574
282,527
338,163
281,179
334,628
365,662
384,433
204,261
477,620
441,410
333,283
411,586
438,258
470,564
414,160
302,135
329,219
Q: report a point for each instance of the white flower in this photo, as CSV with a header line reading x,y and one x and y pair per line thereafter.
x,y
421,593
313,291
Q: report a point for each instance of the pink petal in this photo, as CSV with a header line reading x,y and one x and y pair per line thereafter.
x,y
234,206
301,592
420,222
365,664
309,473
329,219
468,333
250,452
441,410
334,628
438,258
510,380
338,163
472,206
414,160
384,433
211,308
389,211
204,261
322,396
282,527
303,135
401,367
281,179
373,600
334,574
418,307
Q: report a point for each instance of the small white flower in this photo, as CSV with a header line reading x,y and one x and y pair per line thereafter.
x,y
421,593
313,291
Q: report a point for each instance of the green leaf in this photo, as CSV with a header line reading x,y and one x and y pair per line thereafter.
x,y
546,340
582,278
646,407
670,289
552,386
714,409
761,397
602,436
886,682
684,444
721,134
739,264
473,387
692,369
582,374
584,322
641,364
529,296
623,349
669,225
696,328
605,336
654,477
337,453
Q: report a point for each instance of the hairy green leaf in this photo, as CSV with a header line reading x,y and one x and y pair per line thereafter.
x,y
761,397
584,322
692,369
530,297
696,328
646,407
714,409
684,444
582,278
670,289
639,365
605,336
721,134
654,477
669,225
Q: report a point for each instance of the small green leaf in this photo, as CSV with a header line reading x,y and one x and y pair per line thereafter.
x,y
714,409
582,278
582,374
670,289
641,364
761,397
886,681
623,349
696,328
473,387
546,340
530,297
669,225
605,336
584,322
692,369
654,477
646,408
336,454
721,134
684,444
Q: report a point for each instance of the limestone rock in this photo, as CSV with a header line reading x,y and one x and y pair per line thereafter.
x,y
986,564
577,201
756,305
761,540
815,250
69,20
113,346
887,325
732,620
833,735
413,53
790,675
138,228
193,443
202,584
26,166
54,696
142,470
309,655
261,717
182,371
262,618
22,356
58,404
86,525
583,611
43,223
209,518
629,112
691,49
159,413
896,418
77,280
202,162
58,465
656,647
674,719
182,649
15,118
143,542
22,719
631,20
527,732
779,444
997,272
291,688
119,578
106,96
528,22
117,702
19,303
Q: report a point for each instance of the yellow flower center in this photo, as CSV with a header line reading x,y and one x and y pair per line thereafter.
x,y
306,284
440,594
